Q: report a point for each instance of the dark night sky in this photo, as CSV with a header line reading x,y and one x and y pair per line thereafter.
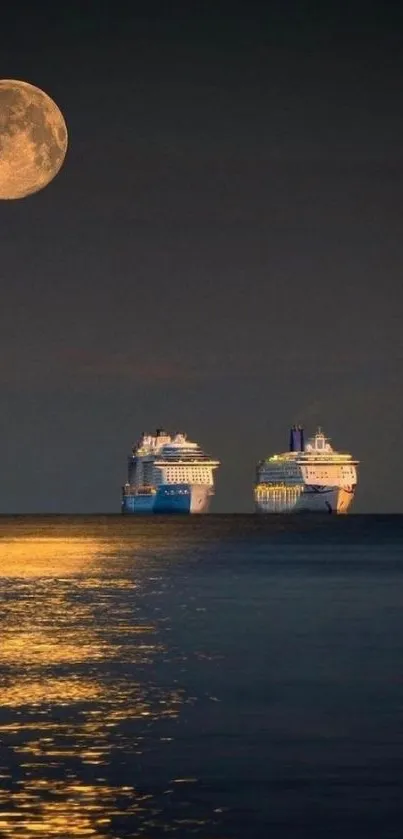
x,y
222,252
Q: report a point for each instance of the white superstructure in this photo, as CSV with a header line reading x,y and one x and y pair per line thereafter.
x,y
168,474
312,478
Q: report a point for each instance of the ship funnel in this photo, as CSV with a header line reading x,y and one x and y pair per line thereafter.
x,y
296,439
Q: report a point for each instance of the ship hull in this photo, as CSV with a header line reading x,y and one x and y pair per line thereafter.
x,y
312,499
169,499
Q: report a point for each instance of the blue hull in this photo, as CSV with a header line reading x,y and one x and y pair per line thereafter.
x,y
168,499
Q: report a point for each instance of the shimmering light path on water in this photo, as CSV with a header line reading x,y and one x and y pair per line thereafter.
x,y
212,677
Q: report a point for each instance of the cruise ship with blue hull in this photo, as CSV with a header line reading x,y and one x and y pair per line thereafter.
x,y
168,474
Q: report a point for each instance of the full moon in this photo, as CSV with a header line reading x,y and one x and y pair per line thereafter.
x,y
33,139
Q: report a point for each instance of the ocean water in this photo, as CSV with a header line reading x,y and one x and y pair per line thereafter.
x,y
216,677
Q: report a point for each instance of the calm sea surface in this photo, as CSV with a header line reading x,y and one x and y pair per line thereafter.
x,y
221,676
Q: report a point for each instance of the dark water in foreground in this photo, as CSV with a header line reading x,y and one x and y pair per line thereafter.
x,y
226,676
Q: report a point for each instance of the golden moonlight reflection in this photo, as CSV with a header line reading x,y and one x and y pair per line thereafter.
x,y
48,557
78,694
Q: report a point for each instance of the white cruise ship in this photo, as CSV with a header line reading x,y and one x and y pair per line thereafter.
x,y
310,477
168,474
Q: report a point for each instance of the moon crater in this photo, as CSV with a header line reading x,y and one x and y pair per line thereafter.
x,y
33,139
